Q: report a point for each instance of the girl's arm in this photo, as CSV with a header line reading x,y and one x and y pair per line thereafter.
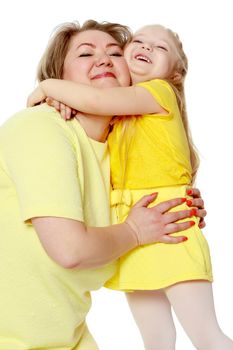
x,y
132,100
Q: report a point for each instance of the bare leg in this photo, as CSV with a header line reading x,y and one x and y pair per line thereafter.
x,y
152,313
194,306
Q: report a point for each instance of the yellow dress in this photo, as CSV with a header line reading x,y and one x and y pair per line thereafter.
x,y
156,152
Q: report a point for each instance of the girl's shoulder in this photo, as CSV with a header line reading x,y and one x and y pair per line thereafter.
x,y
161,90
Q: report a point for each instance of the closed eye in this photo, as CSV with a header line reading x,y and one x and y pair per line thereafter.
x,y
116,54
85,55
162,47
137,41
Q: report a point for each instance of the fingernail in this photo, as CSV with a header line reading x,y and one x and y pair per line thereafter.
x,y
184,239
192,223
153,194
189,202
193,212
189,192
183,200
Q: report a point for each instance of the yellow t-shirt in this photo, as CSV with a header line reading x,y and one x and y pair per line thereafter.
x,y
154,146
48,167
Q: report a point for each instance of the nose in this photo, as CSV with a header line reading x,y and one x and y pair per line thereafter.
x,y
104,60
147,46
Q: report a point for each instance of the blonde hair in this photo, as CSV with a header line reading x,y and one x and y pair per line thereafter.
x,y
177,83
52,61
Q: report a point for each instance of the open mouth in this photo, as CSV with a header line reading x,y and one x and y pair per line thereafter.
x,y
142,58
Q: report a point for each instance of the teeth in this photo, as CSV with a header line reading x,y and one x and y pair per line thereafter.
x,y
143,58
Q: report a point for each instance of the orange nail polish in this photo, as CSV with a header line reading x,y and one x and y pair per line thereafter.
x,y
183,200
189,192
192,223
184,239
153,194
193,212
189,202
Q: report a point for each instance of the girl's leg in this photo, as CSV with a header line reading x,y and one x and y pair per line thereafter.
x,y
152,313
194,306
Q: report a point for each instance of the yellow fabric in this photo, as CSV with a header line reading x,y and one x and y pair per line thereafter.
x,y
46,165
156,152
159,265
154,146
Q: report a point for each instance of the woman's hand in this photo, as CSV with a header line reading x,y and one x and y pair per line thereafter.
x,y
197,202
36,97
155,224
65,111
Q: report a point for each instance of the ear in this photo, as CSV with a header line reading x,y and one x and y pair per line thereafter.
x,y
176,77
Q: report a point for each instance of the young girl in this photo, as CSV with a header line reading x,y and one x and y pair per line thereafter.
x,y
152,151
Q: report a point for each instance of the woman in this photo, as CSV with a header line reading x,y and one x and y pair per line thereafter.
x,y
56,241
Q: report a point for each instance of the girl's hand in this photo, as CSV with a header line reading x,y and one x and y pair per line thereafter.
x,y
36,97
155,224
197,202
65,111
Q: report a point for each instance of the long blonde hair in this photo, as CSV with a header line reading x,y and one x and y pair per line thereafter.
x,y
178,87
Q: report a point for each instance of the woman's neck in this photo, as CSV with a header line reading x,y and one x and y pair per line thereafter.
x,y
96,127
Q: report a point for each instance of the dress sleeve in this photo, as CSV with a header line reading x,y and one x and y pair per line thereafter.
x,y
163,94
41,161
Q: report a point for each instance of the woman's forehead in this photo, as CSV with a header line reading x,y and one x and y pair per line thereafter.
x,y
94,37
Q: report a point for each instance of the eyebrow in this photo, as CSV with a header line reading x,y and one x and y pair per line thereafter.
x,y
94,46
164,41
143,35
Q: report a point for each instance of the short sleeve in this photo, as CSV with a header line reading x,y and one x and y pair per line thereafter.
x,y
163,94
41,161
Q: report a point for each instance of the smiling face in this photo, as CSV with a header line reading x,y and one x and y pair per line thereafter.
x,y
151,54
95,58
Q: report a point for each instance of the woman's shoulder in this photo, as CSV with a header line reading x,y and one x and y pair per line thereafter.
x,y
27,114
38,120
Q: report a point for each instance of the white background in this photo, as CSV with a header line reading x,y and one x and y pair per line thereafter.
x,y
205,28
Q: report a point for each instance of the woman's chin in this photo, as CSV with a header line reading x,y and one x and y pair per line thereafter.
x,y
105,83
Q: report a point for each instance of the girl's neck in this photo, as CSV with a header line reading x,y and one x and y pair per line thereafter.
x,y
137,79
96,127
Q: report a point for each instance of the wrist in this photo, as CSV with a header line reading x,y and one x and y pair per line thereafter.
x,y
47,84
133,231
43,85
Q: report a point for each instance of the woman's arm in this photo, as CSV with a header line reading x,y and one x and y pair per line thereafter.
x,y
132,100
71,244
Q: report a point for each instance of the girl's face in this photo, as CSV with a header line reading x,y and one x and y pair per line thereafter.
x,y
151,54
95,58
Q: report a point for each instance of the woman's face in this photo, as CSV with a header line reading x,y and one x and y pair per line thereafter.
x,y
95,58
